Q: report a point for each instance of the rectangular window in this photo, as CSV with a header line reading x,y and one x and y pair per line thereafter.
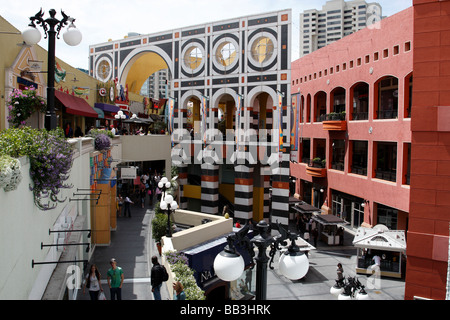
x,y
387,216
386,167
388,98
338,154
359,157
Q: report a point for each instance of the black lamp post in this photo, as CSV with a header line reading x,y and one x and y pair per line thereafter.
x,y
167,203
293,263
52,28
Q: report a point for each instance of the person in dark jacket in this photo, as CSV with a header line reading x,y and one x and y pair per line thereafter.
x,y
156,278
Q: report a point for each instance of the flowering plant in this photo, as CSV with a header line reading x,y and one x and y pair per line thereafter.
x,y
10,174
23,104
50,167
102,142
185,275
175,256
179,265
50,160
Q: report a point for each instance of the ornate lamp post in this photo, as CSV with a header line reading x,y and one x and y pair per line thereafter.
x,y
52,28
167,203
293,264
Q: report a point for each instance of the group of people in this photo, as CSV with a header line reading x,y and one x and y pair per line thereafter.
x,y
115,278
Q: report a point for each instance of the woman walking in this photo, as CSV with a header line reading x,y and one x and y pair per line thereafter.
x,y
93,283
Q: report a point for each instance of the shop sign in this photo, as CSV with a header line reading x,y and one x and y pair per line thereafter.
x,y
128,173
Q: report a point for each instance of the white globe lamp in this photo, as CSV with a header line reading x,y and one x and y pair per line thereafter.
x,y
72,36
293,265
228,265
31,36
336,291
168,199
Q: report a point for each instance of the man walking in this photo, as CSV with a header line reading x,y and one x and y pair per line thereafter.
x,y
158,276
115,280
127,209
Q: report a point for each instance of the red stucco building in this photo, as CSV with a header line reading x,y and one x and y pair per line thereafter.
x,y
374,145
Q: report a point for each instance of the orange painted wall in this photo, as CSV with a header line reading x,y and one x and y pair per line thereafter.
x,y
428,236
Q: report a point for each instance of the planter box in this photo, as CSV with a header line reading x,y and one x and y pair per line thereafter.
x,y
316,172
335,125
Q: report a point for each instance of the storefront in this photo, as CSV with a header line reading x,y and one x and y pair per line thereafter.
x,y
388,245
330,228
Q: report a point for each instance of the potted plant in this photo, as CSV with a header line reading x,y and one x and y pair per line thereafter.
x,y
316,162
159,226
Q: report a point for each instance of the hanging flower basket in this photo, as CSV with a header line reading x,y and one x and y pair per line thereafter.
x,y
23,104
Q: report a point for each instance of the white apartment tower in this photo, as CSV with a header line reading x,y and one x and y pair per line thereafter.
x,y
337,19
155,86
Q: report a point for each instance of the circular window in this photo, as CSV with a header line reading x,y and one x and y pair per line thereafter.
x,y
104,69
226,54
262,50
193,58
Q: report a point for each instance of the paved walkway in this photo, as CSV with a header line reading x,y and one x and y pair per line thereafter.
x,y
133,247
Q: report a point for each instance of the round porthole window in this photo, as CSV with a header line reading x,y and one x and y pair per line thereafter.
x,y
262,50
104,70
226,54
193,58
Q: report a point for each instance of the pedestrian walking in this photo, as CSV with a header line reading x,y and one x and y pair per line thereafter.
x,y
179,293
92,282
115,280
143,194
157,276
315,234
340,274
119,204
127,209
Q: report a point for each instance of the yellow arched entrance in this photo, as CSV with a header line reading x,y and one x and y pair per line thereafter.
x,y
147,64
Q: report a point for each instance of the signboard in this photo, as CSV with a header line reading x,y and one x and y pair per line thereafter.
x,y
128,173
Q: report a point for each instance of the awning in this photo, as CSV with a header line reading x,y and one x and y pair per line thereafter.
x,y
101,114
107,107
139,121
305,208
75,105
380,239
328,219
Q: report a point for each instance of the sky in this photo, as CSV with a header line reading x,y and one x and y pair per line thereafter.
x,y
100,21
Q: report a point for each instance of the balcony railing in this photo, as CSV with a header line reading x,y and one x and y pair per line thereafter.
x,y
337,166
387,114
359,170
389,175
360,116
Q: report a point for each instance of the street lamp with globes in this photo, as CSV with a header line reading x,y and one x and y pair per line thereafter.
x,y
167,203
293,264
52,28
120,116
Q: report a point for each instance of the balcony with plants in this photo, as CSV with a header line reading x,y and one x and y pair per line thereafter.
x,y
336,120
316,167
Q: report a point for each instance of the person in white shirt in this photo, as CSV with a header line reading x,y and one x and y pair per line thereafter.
x,y
376,265
113,130
93,282
127,203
